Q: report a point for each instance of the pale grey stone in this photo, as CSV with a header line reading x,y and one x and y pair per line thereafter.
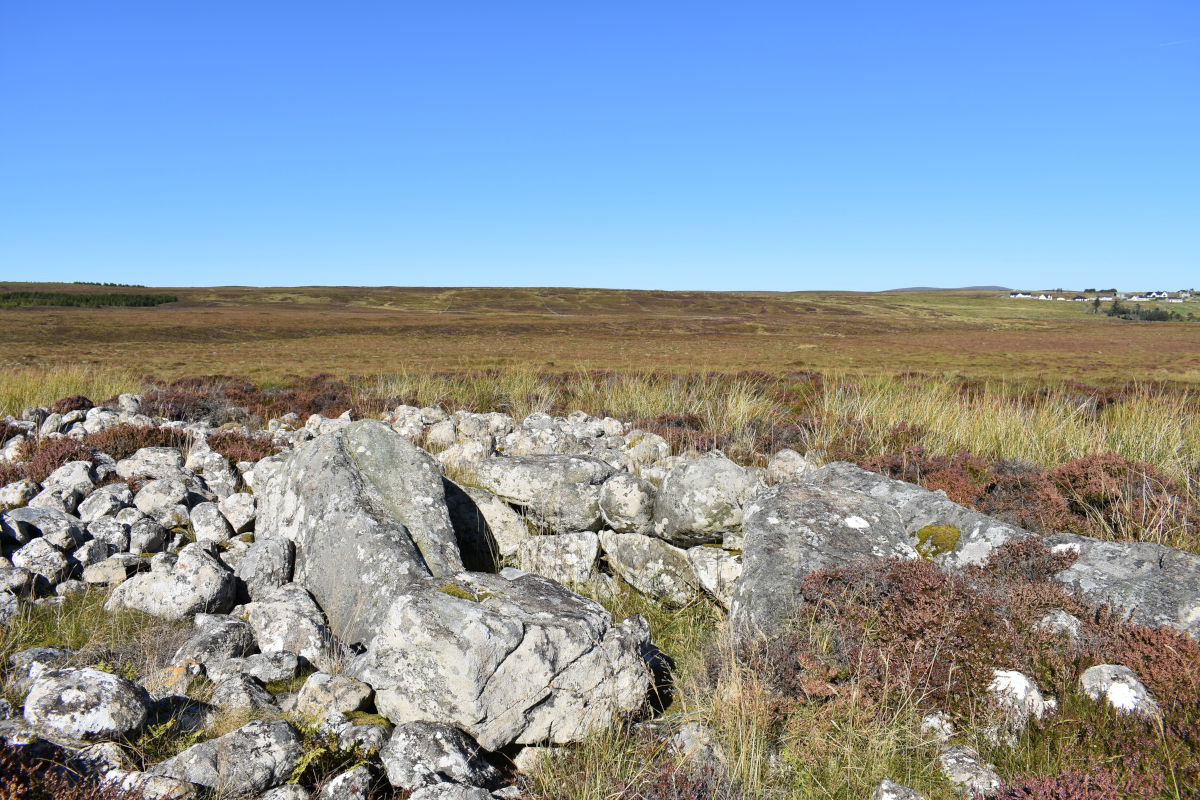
x,y
788,465
242,692
700,499
17,494
963,767
1060,622
266,565
568,558
287,619
217,638
149,787
1120,688
147,536
717,571
82,704
43,559
196,582
239,511
115,569
365,739
560,491
423,753
153,463
653,567
323,693
164,501
350,785
109,531
243,763
55,526
209,524
888,789
504,526
627,503
105,502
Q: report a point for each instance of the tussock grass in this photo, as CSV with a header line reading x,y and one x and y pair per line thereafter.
x,y
21,387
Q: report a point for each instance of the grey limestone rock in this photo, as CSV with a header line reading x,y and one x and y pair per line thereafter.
x,y
165,501
505,527
242,691
423,753
150,787
1119,687
55,526
353,784
153,463
239,511
717,571
366,511
653,567
700,499
568,558
451,791
287,619
794,529
85,704
218,637
111,532
888,789
522,660
788,465
196,582
17,493
244,763
1151,584
969,773
363,738
266,566
561,491
627,503
44,560
209,524
323,693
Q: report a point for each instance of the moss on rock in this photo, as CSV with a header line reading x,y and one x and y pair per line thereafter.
x,y
937,540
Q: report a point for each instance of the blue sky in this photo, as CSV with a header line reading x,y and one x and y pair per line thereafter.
x,y
749,145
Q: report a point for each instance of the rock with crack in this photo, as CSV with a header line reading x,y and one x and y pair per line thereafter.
x,y
267,565
244,763
506,661
323,693
569,558
288,620
791,530
424,753
366,511
196,582
700,499
653,567
717,571
218,638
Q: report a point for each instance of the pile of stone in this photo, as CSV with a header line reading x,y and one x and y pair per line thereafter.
x,y
438,586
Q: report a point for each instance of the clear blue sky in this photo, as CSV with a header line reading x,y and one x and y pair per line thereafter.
x,y
748,145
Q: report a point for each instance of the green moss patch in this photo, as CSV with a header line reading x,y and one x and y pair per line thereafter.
x,y
454,590
937,540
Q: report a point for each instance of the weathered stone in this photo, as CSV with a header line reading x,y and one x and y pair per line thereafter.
x,y
1060,622
239,511
243,763
653,567
888,789
522,660
700,499
197,582
164,501
218,474
44,560
289,791
209,524
287,619
323,693
17,494
267,667
153,463
149,787
466,455
1120,688
147,536
218,637
57,527
354,784
242,691
627,503
568,558
788,465
14,580
1151,584
792,530
963,767
1017,697
366,510
111,532
114,569
105,502
941,530
561,491
717,571
93,551
85,703
503,525
477,546
423,753
266,566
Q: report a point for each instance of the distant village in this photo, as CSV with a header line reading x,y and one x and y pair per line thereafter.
x,y
1091,296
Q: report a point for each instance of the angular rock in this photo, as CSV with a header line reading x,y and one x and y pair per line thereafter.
x,y
717,571
91,552
700,499
218,474
561,491
504,526
951,536
287,619
522,660
242,691
451,791
267,667
243,763
147,536
653,567
153,463
627,503
196,583
17,494
164,501
289,791
114,569
466,455
109,531
239,511
14,580
57,527
323,693
209,524
1151,584
963,767
44,560
888,789
353,784
788,465
105,502
568,558
85,704
1017,697
1120,688
424,753
218,637
266,566
363,738
147,786
1060,622
366,510
792,530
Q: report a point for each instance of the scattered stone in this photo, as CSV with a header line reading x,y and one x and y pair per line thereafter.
x,y
85,704
365,739
653,567
963,767
888,789
164,501
569,558
353,784
561,491
218,637
150,787
700,499
43,560
243,763
1120,688
627,503
239,510
424,753
323,692
60,529
197,582
267,565
1017,697
1060,622
242,691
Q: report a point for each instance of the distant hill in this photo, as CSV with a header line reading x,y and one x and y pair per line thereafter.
x,y
952,289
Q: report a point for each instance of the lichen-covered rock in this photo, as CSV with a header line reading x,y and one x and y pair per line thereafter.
x,y
150,787
788,465
484,510
17,494
569,558
164,500
353,784
242,692
561,491
365,739
1017,697
423,753
85,704
209,524
266,566
43,560
794,529
650,565
287,619
367,513
323,693
239,511
717,571
700,499
506,661
627,503
197,582
1152,584
218,637
888,789
967,772
243,763
1119,687
152,462
105,501
943,531
60,529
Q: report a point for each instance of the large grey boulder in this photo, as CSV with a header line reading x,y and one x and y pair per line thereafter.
x,y
700,499
218,474
568,558
353,784
85,704
791,530
197,582
494,519
423,753
209,524
241,691
1150,584
243,763
367,513
239,511
653,567
560,491
17,494
323,693
627,503
72,482
951,536
153,463
105,501
506,661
